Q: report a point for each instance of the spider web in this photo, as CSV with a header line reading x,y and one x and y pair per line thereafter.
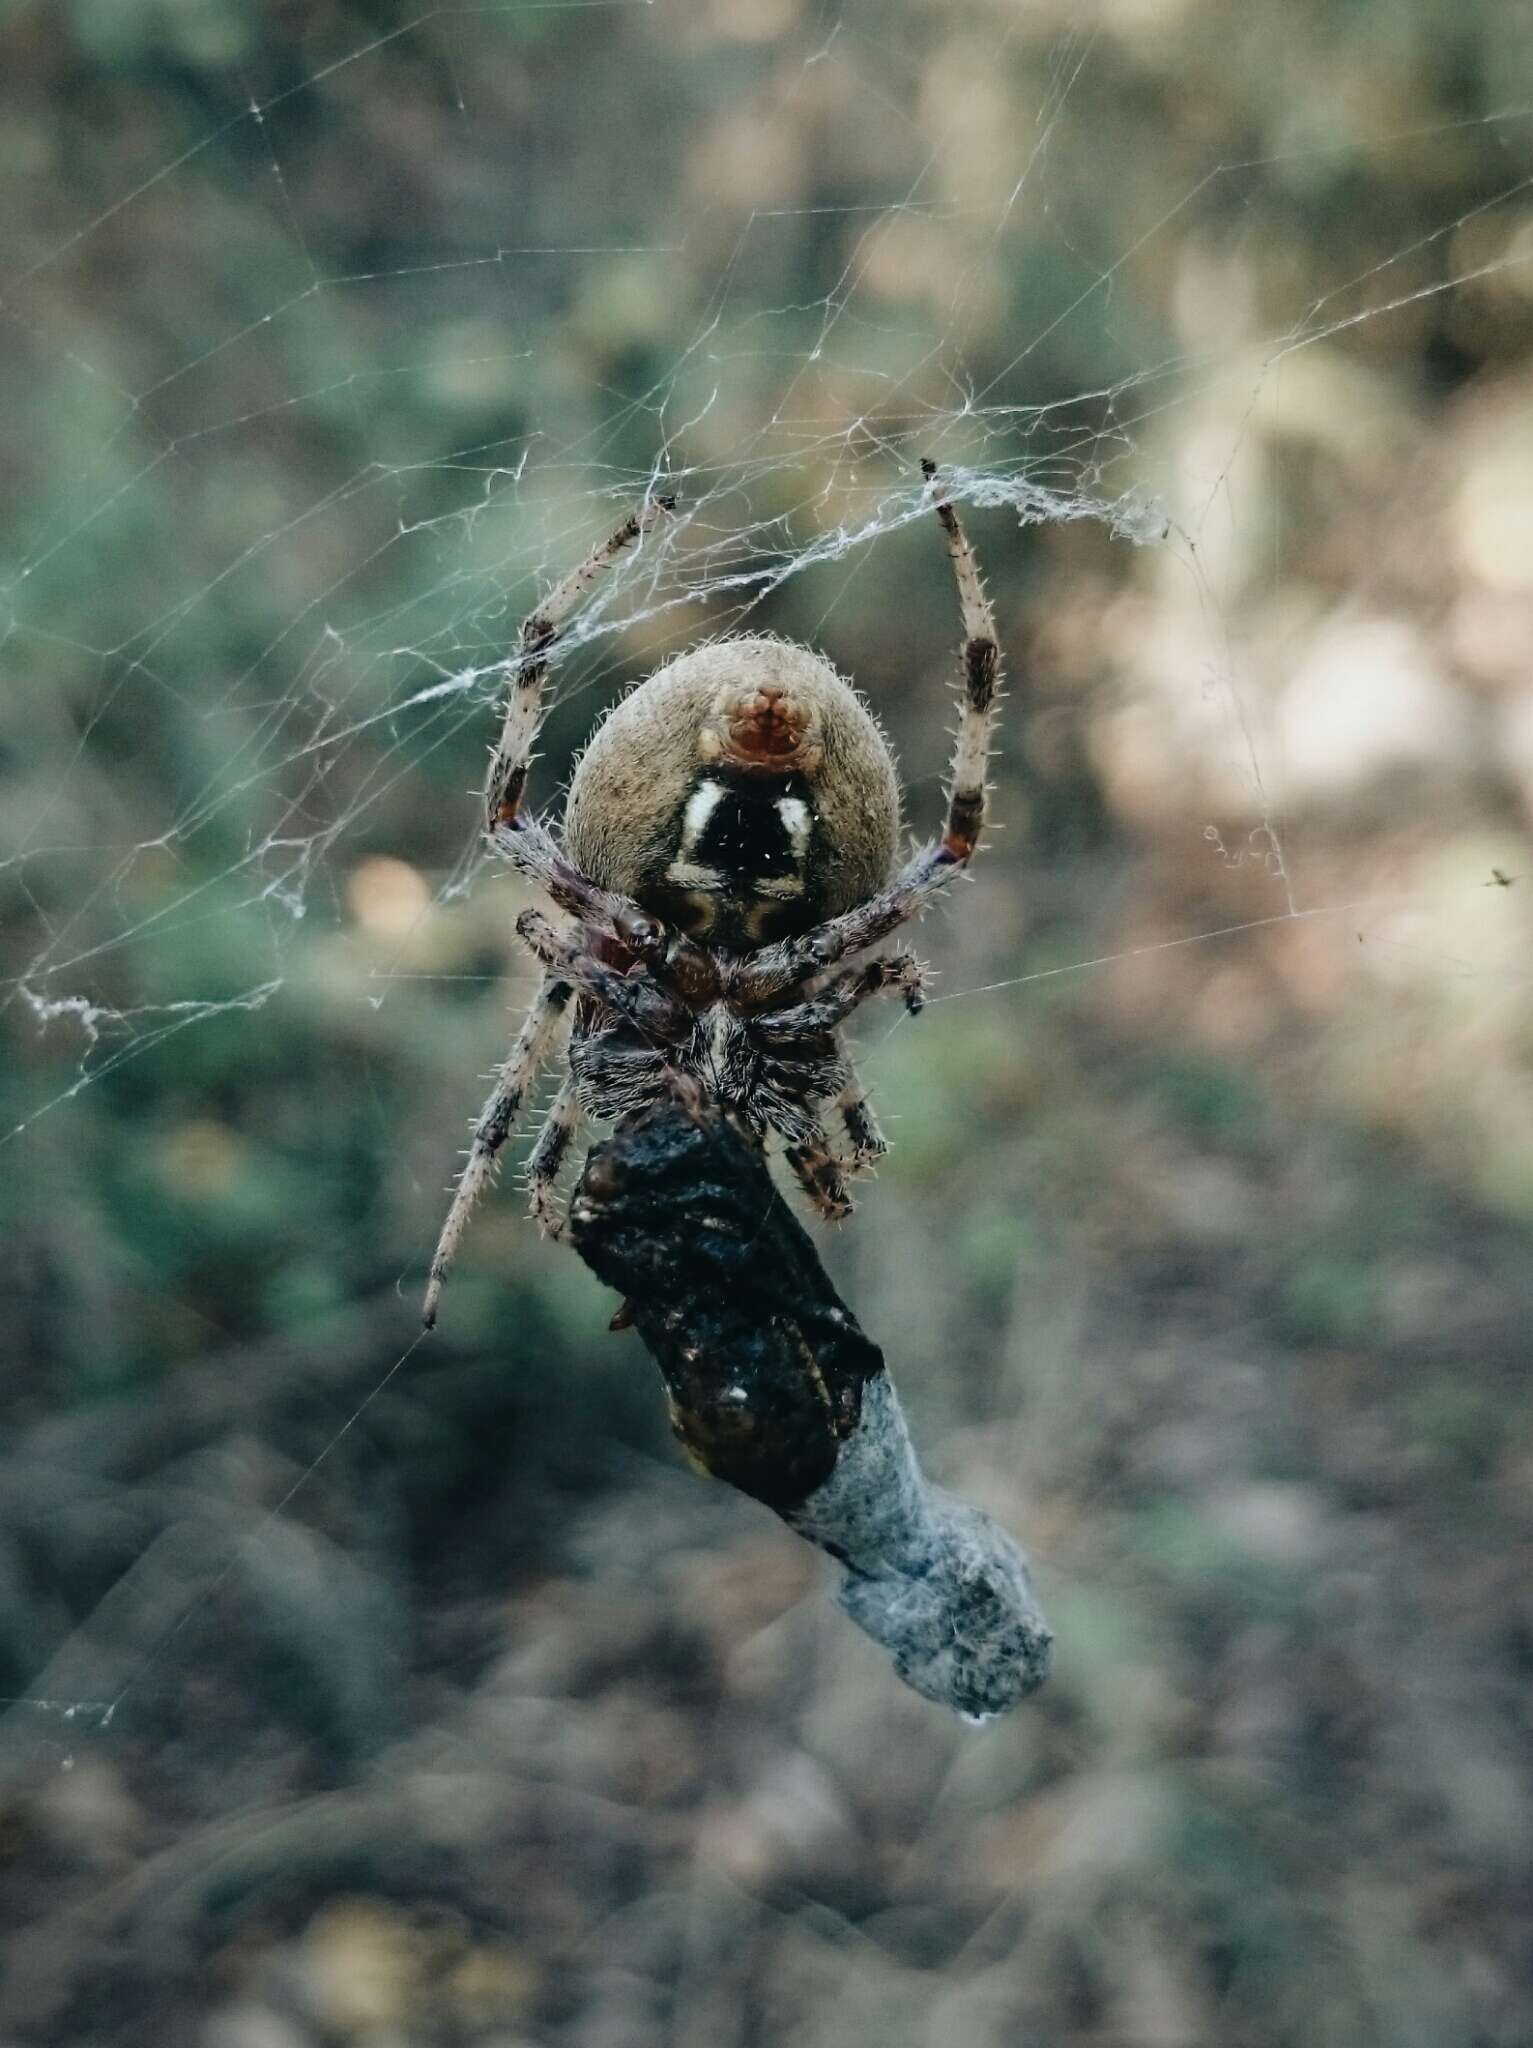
x,y
359,558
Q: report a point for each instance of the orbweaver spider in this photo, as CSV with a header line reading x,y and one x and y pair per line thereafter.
x,y
729,841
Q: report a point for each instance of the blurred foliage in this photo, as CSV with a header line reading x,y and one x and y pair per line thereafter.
x,y
330,330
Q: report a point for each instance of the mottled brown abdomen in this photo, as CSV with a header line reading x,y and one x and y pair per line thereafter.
x,y
757,706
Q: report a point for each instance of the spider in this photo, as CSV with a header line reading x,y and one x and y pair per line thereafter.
x,y
729,842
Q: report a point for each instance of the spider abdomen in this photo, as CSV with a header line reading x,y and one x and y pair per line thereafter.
x,y
743,792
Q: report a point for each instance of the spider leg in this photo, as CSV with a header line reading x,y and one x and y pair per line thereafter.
x,y
771,970
636,996
981,670
821,1175
814,1014
533,1045
860,1122
529,847
559,1128
527,671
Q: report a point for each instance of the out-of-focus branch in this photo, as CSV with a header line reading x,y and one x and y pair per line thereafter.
x,y
774,1387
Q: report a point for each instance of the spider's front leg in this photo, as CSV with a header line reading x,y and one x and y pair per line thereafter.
x,y
811,1015
772,970
527,672
981,679
637,996
521,839
529,847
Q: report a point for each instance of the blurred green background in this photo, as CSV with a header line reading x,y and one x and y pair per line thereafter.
x,y
329,333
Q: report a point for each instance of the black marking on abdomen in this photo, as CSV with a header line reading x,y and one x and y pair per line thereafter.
x,y
742,855
747,838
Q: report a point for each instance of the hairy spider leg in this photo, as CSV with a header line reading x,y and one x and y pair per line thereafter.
x,y
859,1120
821,1175
526,673
534,1044
981,675
841,994
820,1171
559,1128
776,969
661,1017
527,845
772,970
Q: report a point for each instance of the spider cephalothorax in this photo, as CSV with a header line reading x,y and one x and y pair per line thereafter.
x,y
730,840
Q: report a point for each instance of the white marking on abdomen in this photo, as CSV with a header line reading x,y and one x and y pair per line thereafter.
x,y
701,805
691,874
794,813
